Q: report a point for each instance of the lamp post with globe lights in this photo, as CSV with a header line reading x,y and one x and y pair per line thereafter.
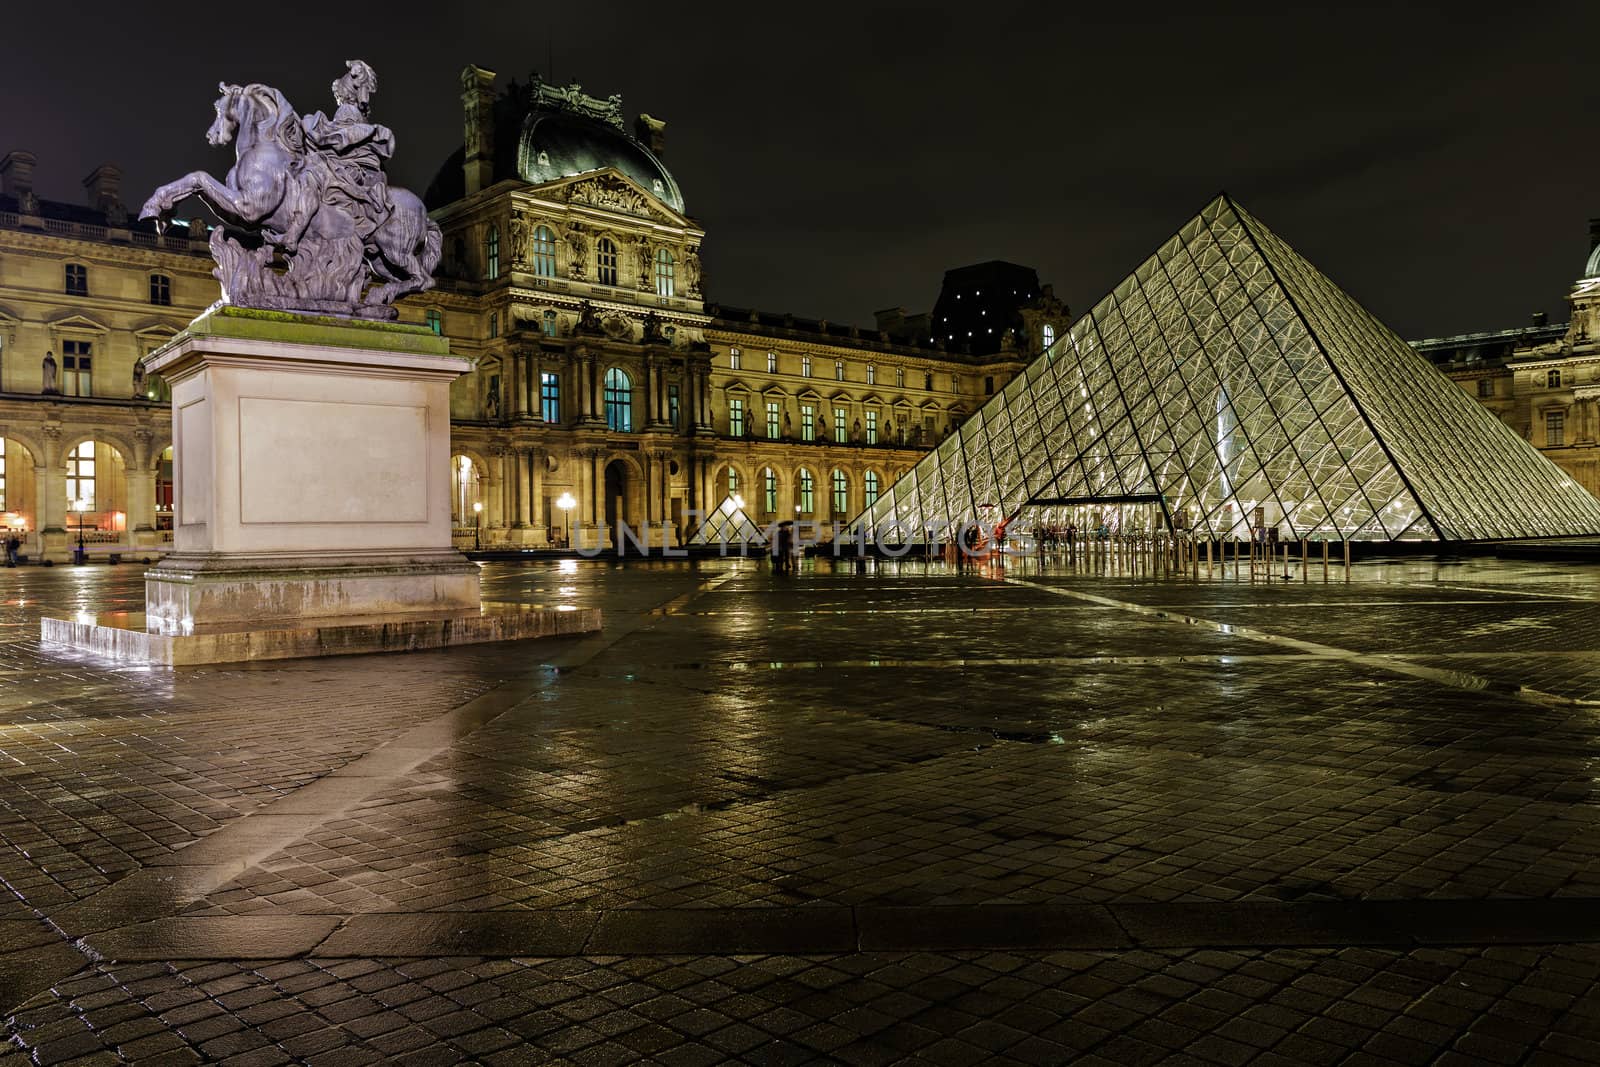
x,y
81,507
566,503
477,518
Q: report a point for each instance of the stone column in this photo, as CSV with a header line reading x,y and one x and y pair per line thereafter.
x,y
664,511
537,518
524,489
580,375
651,412
597,479
582,473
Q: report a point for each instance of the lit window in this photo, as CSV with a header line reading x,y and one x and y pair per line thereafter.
x,y
674,403
736,417
808,422
1553,379
805,366
870,489
605,257
80,477
838,370
665,269
733,359
772,363
492,253
550,324
1555,427
872,427
619,401
434,320
77,279
544,252
872,374
161,290
550,397
77,358
733,482
769,483
1049,335
841,492
838,424
772,419
808,492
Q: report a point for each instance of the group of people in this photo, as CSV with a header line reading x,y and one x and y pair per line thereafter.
x,y
13,548
781,546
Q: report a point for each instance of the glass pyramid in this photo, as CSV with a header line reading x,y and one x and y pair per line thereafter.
x,y
1230,385
728,525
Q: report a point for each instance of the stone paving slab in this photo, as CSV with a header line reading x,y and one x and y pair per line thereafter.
x,y
916,815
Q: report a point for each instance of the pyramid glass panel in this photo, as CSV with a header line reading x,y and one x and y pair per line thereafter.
x,y
1230,381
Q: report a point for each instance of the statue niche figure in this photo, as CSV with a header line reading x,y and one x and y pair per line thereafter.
x,y
313,193
48,367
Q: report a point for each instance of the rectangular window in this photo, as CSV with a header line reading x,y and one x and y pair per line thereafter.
x,y
872,427
434,320
494,324
733,482
550,324
872,374
808,493
955,383
927,382
1555,428
161,290
841,493
838,424
80,479
733,359
77,279
550,397
772,419
1553,379
772,363
77,368
736,417
808,422
673,402
769,483
1486,387
838,370
988,386
805,366
899,377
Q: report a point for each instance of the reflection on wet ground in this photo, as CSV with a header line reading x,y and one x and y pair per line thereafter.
x,y
915,811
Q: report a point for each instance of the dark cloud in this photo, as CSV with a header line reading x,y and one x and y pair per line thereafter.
x,y
1439,161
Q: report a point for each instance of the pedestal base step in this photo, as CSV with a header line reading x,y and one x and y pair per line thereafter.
x,y
126,638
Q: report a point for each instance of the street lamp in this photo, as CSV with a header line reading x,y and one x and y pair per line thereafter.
x,y
566,503
80,505
477,516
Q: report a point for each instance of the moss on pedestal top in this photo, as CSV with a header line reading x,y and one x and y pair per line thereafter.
x,y
288,327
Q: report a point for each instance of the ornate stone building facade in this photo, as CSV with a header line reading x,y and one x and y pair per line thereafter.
x,y
605,388
1543,379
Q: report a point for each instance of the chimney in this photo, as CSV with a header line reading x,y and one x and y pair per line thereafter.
x,y
477,108
652,133
104,189
16,174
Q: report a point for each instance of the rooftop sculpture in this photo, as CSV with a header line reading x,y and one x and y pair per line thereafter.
x,y
309,193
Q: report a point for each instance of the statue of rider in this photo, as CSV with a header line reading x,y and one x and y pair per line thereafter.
x,y
354,150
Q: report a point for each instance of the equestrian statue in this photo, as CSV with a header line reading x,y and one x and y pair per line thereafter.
x,y
310,194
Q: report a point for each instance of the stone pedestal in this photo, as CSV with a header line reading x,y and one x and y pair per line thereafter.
x,y
312,491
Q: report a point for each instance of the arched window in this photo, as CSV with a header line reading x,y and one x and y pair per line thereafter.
x,y
80,478
769,485
808,492
619,401
841,492
870,489
733,482
605,257
1049,335
465,476
161,290
492,254
544,252
664,272
434,320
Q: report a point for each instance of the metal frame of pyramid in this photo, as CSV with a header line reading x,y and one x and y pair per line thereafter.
x,y
728,525
1227,381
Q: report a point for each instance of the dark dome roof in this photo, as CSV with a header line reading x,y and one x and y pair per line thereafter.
x,y
558,144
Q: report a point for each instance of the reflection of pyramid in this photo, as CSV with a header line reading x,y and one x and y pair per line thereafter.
x,y
728,525
1230,384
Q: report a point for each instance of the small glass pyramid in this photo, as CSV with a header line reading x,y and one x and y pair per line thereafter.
x,y
1229,384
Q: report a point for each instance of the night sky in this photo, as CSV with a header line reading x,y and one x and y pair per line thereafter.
x,y
1439,164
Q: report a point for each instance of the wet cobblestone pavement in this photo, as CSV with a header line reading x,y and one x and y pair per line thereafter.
x,y
911,815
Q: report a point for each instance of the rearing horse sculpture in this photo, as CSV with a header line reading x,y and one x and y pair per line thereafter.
x,y
336,225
